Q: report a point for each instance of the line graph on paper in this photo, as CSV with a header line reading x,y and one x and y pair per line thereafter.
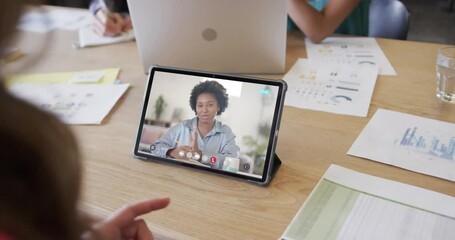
x,y
430,145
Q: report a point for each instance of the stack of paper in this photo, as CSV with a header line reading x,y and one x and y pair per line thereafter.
x,y
42,20
75,97
88,38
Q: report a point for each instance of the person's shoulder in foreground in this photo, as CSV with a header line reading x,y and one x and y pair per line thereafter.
x,y
40,171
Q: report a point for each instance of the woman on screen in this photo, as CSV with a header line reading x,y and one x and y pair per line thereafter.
x,y
202,138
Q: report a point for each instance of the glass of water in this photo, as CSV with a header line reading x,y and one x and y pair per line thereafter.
x,y
445,73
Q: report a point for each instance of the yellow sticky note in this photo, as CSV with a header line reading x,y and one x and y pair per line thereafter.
x,y
109,76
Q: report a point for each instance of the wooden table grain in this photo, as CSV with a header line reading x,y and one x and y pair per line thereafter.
x,y
206,206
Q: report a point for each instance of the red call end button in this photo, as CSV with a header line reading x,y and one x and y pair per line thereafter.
x,y
213,159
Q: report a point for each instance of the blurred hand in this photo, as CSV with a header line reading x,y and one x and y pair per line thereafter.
x,y
124,224
111,24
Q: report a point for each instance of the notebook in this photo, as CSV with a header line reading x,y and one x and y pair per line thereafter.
x,y
240,36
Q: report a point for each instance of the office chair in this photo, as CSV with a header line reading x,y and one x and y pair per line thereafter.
x,y
388,19
450,7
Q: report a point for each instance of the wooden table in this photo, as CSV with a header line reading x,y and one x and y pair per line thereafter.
x,y
206,206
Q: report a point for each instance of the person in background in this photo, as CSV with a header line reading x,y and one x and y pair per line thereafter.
x,y
318,19
111,17
40,171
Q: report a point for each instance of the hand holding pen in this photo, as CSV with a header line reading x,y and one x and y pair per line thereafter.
x,y
108,23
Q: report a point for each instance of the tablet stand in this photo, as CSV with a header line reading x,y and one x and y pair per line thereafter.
x,y
276,165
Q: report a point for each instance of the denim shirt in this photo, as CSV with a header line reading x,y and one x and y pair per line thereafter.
x,y
215,146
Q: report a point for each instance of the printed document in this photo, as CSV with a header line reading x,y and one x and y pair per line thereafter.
x,y
72,103
335,88
41,20
355,51
346,205
411,142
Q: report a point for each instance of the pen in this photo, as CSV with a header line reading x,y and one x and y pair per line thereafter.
x,y
104,6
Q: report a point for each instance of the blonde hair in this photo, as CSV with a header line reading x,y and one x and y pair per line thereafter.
x,y
40,171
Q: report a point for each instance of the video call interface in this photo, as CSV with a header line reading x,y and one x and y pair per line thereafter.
x,y
232,137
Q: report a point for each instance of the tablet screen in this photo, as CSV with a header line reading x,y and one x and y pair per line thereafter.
x,y
222,123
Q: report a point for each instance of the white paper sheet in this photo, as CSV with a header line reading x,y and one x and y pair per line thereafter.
x,y
336,88
41,21
73,103
350,50
415,143
88,38
350,205
87,77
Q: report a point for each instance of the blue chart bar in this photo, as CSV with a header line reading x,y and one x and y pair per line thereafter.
x,y
436,148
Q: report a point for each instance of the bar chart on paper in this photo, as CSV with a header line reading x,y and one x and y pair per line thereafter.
x,y
341,89
427,144
411,142
340,207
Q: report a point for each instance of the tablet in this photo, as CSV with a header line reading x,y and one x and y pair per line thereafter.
x,y
219,123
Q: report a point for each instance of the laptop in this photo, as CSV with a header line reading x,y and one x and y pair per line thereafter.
x,y
242,112
240,36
